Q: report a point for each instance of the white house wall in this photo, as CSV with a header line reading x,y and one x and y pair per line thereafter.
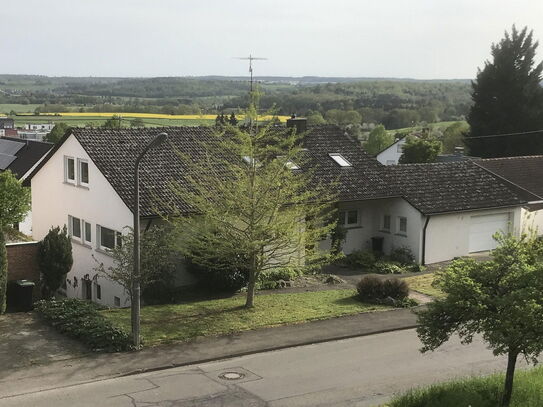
x,y
447,235
391,155
532,221
53,200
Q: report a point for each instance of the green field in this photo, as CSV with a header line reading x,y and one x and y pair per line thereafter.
x,y
96,121
7,108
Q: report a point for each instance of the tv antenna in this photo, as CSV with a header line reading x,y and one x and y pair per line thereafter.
x,y
251,58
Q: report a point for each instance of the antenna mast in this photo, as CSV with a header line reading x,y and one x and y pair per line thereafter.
x,y
251,58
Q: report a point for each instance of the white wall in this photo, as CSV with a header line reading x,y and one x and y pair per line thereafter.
x,y
53,200
447,235
532,221
391,155
371,217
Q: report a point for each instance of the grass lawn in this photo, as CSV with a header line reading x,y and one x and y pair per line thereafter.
x,y
182,322
477,392
423,284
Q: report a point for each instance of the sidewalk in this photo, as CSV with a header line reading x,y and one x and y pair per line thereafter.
x,y
101,366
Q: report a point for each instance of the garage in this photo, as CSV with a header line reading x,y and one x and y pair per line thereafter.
x,y
483,227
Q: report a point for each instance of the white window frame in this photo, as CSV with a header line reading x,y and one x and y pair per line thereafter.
x,y
71,228
344,217
399,225
116,239
340,160
399,148
80,162
66,171
84,232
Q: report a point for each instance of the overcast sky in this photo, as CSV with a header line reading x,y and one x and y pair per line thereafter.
x,y
425,39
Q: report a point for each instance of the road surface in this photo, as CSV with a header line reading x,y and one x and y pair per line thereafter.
x,y
364,371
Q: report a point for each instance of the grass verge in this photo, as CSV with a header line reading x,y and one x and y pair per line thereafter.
x,y
477,392
182,322
424,284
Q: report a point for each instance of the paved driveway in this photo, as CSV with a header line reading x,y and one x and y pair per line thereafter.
x,y
25,341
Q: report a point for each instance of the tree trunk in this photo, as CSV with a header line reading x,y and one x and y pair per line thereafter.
x,y
509,375
250,301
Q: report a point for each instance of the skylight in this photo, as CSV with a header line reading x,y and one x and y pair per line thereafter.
x,y
338,158
291,165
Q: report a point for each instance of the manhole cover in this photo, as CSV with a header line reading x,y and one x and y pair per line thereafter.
x,y
231,376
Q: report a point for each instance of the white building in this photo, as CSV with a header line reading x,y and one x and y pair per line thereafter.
x,y
440,211
391,155
47,127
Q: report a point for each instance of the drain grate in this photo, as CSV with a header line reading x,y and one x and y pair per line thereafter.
x,y
231,376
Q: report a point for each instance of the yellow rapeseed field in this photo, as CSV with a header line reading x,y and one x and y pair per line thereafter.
x,y
149,115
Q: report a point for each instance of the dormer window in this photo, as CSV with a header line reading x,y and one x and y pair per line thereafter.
x,y
339,159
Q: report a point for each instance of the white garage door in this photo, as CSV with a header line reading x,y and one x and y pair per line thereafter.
x,y
483,227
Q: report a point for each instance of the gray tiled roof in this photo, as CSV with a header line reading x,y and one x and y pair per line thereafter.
x,y
431,188
526,171
450,187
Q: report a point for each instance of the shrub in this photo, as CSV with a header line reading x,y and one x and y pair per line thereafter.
x,y
227,278
363,259
271,278
83,321
384,267
55,259
402,255
375,289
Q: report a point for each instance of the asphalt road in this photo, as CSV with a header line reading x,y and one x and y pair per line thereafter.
x,y
364,371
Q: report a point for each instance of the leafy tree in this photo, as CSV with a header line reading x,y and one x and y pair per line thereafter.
x,y
508,98
343,117
116,122
55,259
14,205
420,150
257,205
500,299
157,260
378,140
56,133
453,136
315,119
137,122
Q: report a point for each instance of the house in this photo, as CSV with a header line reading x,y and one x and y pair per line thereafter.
x,y
439,211
21,157
391,155
7,123
47,127
38,135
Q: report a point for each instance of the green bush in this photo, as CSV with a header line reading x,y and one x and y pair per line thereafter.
x,y
83,321
227,278
363,259
385,267
375,289
402,255
271,278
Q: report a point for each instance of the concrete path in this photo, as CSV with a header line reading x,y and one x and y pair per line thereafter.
x,y
362,372
95,367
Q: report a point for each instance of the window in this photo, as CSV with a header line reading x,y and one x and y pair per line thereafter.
x,y
386,222
99,292
117,301
402,224
108,238
74,227
348,218
338,158
69,169
83,172
399,148
391,162
87,232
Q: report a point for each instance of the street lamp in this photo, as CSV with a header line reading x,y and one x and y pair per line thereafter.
x,y
135,300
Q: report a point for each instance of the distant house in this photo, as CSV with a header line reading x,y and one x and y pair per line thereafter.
x,y
37,135
7,123
21,157
40,126
438,211
391,155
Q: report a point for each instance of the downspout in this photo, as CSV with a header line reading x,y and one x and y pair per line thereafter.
x,y
423,257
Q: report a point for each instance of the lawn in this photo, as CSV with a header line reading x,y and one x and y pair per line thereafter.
x,y
182,322
424,284
477,392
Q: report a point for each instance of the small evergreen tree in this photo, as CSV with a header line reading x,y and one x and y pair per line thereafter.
x,y
56,133
55,259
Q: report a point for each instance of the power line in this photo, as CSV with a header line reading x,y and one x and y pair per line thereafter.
x,y
505,134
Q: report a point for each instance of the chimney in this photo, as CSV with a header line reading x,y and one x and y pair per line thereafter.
x,y
300,123
459,151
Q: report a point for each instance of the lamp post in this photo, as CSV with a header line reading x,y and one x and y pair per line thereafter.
x,y
135,300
